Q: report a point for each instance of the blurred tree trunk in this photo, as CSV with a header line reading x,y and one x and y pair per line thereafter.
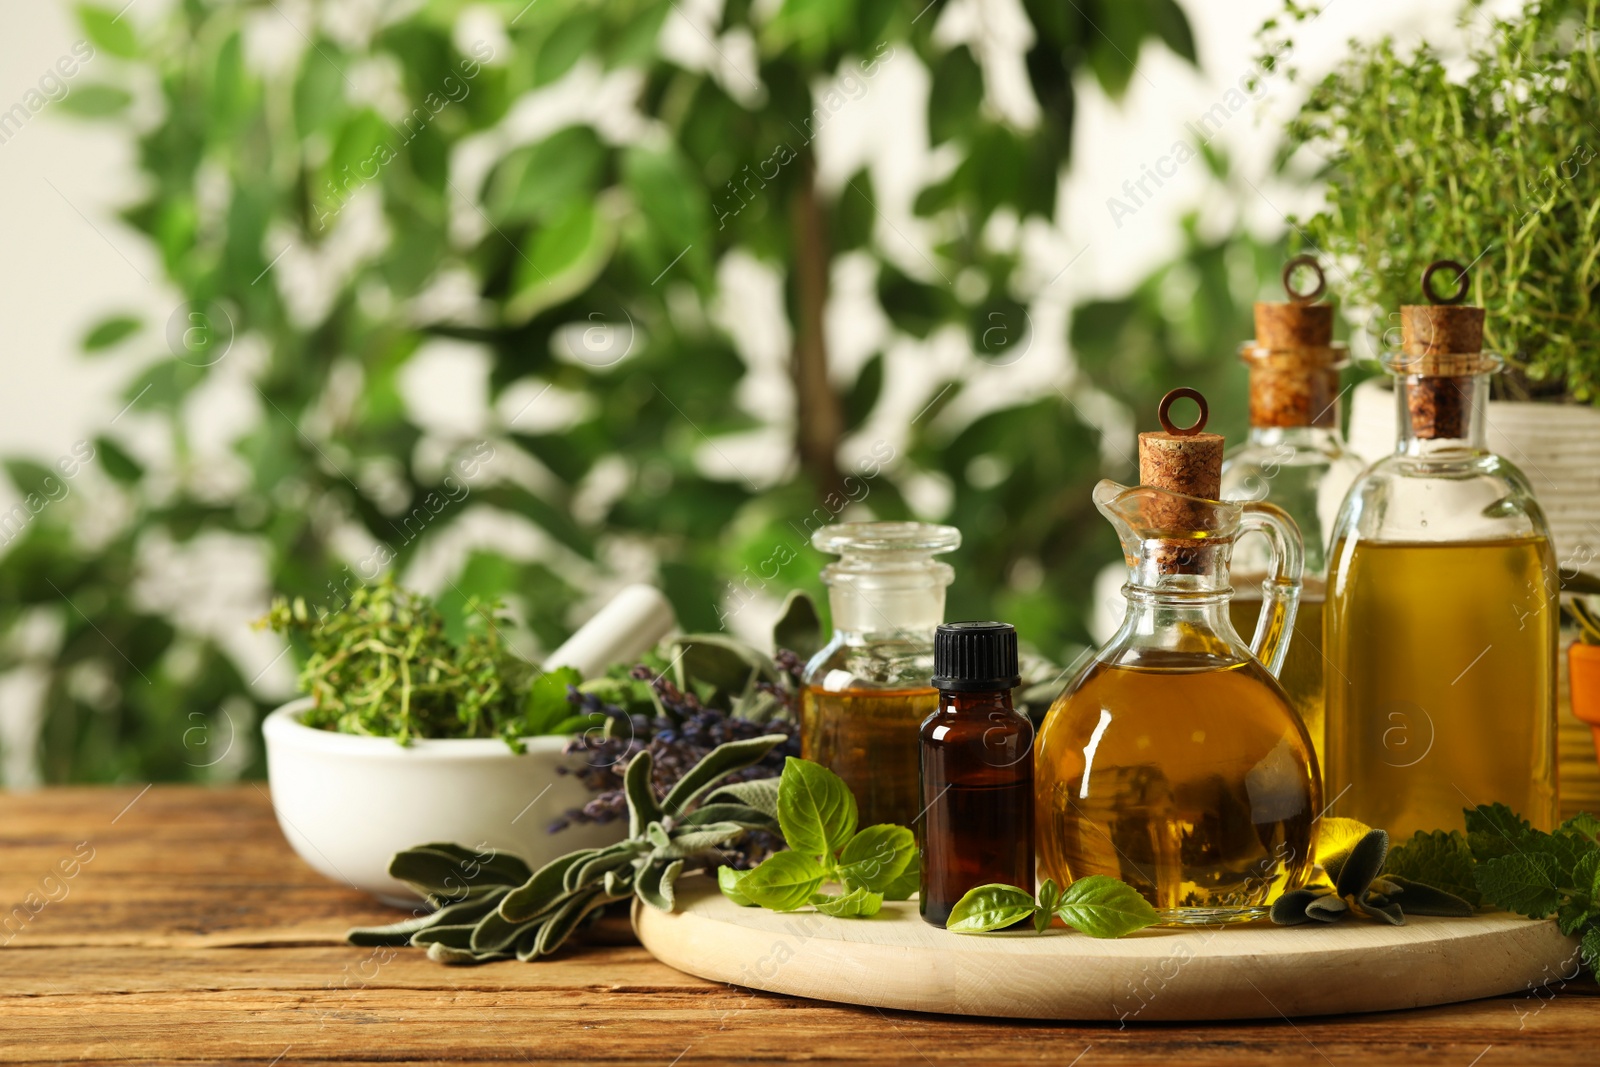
x,y
819,422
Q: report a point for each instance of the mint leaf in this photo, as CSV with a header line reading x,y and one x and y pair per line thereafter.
x,y
876,856
1440,859
1590,947
856,904
1583,825
815,809
909,882
547,705
728,881
1494,830
1571,916
1101,906
784,881
1521,882
990,907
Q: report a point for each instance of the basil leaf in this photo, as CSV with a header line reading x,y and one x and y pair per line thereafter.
x,y
990,907
876,856
783,882
547,703
909,882
1049,897
728,881
1101,906
815,808
856,904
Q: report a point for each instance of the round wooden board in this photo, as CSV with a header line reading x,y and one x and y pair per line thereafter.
x,y
1237,972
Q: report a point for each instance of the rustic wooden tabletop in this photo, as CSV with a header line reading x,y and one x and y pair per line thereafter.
x,y
173,924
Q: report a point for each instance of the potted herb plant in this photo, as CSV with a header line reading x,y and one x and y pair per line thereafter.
x,y
1484,152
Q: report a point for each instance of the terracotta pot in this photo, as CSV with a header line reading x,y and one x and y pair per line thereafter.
x,y
1583,666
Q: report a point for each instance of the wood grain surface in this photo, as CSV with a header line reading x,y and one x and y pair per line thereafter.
x,y
193,934
1248,971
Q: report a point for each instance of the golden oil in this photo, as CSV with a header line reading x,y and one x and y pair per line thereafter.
x,y
1303,667
1195,785
1445,685
870,738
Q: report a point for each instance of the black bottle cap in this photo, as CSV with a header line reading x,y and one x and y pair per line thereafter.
x,y
975,657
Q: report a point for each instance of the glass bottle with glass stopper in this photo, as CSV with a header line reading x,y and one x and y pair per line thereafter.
x,y
977,770
866,692
1295,457
1442,603
1174,760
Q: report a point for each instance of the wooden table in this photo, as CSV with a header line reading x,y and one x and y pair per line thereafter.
x,y
187,930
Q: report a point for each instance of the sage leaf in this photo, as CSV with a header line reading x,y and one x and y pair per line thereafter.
x,y
728,881
990,907
1416,898
783,882
855,904
1101,906
642,806
556,929
542,890
742,814
759,793
1360,865
717,765
707,838
1290,908
815,809
798,628
654,884
876,856
909,882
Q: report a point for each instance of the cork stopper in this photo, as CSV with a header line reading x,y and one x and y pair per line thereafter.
x,y
1181,460
1294,364
1441,343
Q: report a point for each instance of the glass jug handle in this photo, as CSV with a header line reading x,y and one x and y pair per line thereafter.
x,y
1280,592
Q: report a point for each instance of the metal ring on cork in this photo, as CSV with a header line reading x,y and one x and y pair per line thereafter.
x,y
1463,282
1182,394
1295,296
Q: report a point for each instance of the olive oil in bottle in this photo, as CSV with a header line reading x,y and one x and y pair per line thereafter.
x,y
1442,604
1295,457
868,737
1174,760
866,693
1301,676
1444,649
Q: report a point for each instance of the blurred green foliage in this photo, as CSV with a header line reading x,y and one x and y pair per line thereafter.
x,y
591,261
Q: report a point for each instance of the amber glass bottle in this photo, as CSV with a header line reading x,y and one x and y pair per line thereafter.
x,y
977,770
1442,605
867,692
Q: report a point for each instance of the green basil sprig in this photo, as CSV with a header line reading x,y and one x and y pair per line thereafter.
x,y
1097,905
817,816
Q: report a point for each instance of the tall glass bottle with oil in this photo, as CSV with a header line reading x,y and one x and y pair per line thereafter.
x,y
867,692
1442,603
1295,457
1174,760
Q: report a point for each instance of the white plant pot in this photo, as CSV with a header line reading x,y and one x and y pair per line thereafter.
x,y
348,803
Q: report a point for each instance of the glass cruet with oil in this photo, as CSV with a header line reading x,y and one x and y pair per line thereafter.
x,y
1442,603
1295,457
1174,760
866,693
